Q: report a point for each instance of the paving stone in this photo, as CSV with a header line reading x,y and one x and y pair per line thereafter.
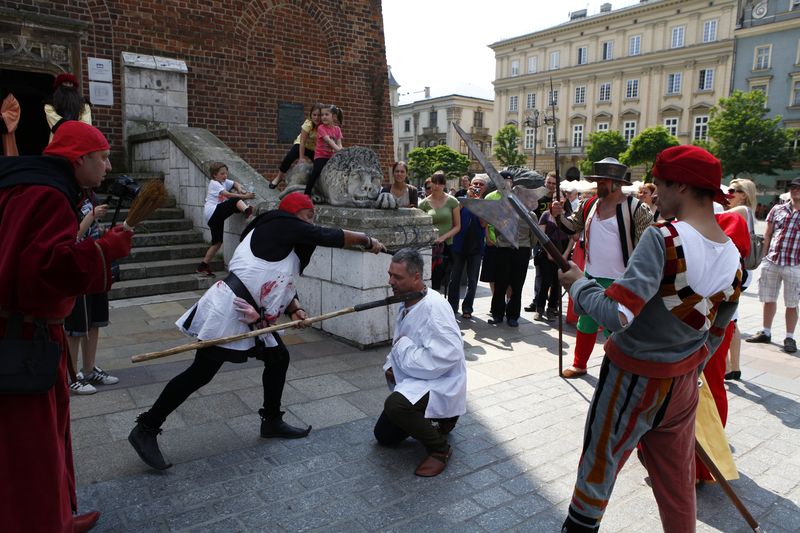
x,y
322,386
493,497
326,412
498,520
461,510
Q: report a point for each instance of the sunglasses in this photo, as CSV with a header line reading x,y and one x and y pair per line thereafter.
x,y
732,191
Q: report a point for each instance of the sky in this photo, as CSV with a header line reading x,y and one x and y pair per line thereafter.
x,y
443,44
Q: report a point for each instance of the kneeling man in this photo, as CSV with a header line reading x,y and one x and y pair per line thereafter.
x,y
425,369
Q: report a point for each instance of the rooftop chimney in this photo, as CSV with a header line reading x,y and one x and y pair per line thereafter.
x,y
427,92
605,8
575,15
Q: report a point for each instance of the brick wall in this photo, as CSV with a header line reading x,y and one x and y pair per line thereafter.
x,y
245,56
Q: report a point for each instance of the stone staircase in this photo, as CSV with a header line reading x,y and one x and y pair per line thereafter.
x,y
165,254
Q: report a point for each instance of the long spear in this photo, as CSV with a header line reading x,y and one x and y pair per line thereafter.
x,y
257,332
558,198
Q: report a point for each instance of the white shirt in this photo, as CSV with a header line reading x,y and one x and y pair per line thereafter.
x,y
428,356
213,197
605,256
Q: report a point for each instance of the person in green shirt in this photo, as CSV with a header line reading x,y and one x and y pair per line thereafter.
x,y
446,213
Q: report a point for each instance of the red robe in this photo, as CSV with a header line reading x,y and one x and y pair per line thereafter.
x,y
42,270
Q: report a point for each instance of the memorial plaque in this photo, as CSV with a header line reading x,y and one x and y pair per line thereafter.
x,y
290,118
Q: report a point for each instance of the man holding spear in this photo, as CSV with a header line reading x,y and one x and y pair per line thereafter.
x,y
276,246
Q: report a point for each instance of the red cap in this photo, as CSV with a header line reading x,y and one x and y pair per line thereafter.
x,y
294,202
735,227
74,139
65,77
690,165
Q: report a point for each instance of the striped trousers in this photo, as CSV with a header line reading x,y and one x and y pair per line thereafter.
x,y
628,409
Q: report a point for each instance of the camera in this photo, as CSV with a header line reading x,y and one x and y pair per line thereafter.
x,y
124,188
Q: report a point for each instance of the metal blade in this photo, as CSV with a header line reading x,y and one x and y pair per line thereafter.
x,y
494,175
530,197
498,213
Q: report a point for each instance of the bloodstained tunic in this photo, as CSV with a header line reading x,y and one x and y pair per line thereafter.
x,y
42,270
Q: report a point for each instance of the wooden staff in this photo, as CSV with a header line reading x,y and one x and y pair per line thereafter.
x,y
726,487
257,332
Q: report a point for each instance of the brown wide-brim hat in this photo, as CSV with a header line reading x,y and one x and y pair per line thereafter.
x,y
610,169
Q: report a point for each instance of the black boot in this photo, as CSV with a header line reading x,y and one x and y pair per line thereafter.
x,y
143,440
274,426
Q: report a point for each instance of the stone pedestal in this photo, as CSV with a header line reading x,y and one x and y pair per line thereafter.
x,y
338,278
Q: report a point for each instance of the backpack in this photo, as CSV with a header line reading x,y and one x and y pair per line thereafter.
x,y
753,259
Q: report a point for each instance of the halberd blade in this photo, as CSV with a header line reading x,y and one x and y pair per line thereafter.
x,y
494,175
498,213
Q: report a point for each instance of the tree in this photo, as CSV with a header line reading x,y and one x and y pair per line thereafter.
x,y
646,146
603,144
745,139
422,162
505,147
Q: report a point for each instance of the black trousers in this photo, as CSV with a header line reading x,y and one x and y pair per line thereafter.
x,y
511,268
401,419
293,155
319,164
206,364
550,289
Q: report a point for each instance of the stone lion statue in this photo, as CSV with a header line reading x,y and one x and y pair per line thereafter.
x,y
352,178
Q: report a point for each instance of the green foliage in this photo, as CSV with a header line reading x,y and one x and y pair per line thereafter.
x,y
602,144
745,139
646,146
505,147
422,162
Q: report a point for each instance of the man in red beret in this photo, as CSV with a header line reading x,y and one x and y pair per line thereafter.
x,y
667,314
276,247
42,270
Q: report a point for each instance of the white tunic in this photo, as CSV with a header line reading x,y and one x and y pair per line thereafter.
x,y
605,259
428,356
271,284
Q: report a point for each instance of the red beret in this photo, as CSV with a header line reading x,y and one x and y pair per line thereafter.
x,y
294,202
735,227
65,77
690,165
74,139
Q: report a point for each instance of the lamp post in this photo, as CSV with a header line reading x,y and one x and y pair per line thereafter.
x,y
532,121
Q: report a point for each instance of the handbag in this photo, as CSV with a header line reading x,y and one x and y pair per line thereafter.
x,y
753,259
27,366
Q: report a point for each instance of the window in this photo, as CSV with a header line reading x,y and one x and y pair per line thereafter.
x,y
577,135
762,57
709,31
632,89
701,128
513,103
550,139
407,125
432,119
530,101
706,81
580,94
764,88
635,45
515,67
533,64
602,126
552,97
477,119
583,55
605,92
677,36
528,139
554,59
629,130
796,94
607,51
406,148
674,83
672,126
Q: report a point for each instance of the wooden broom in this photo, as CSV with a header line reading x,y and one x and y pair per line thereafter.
x,y
151,196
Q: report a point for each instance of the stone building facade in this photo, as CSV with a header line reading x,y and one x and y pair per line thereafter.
x,y
251,68
659,62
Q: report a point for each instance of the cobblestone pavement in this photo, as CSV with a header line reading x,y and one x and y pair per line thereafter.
x,y
515,451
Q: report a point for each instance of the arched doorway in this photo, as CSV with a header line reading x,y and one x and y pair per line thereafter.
x,y
30,89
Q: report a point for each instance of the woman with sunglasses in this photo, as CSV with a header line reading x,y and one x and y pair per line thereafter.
x,y
743,201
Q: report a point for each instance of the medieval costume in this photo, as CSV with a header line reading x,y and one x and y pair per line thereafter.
x,y
67,103
9,120
647,389
42,270
275,248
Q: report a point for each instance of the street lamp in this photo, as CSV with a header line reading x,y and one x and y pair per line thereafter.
x,y
532,121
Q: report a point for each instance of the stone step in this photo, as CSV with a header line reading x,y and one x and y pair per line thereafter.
x,y
167,238
162,285
142,254
161,226
160,214
167,267
170,202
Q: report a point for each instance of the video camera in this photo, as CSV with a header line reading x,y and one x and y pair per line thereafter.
x,y
125,190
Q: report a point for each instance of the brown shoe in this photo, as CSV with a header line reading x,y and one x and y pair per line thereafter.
x,y
434,464
573,372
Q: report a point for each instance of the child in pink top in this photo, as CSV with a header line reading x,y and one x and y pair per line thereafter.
x,y
329,141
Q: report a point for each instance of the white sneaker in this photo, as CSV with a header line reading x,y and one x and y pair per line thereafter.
x,y
101,377
81,386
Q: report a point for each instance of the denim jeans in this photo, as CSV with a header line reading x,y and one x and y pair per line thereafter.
x,y
473,264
